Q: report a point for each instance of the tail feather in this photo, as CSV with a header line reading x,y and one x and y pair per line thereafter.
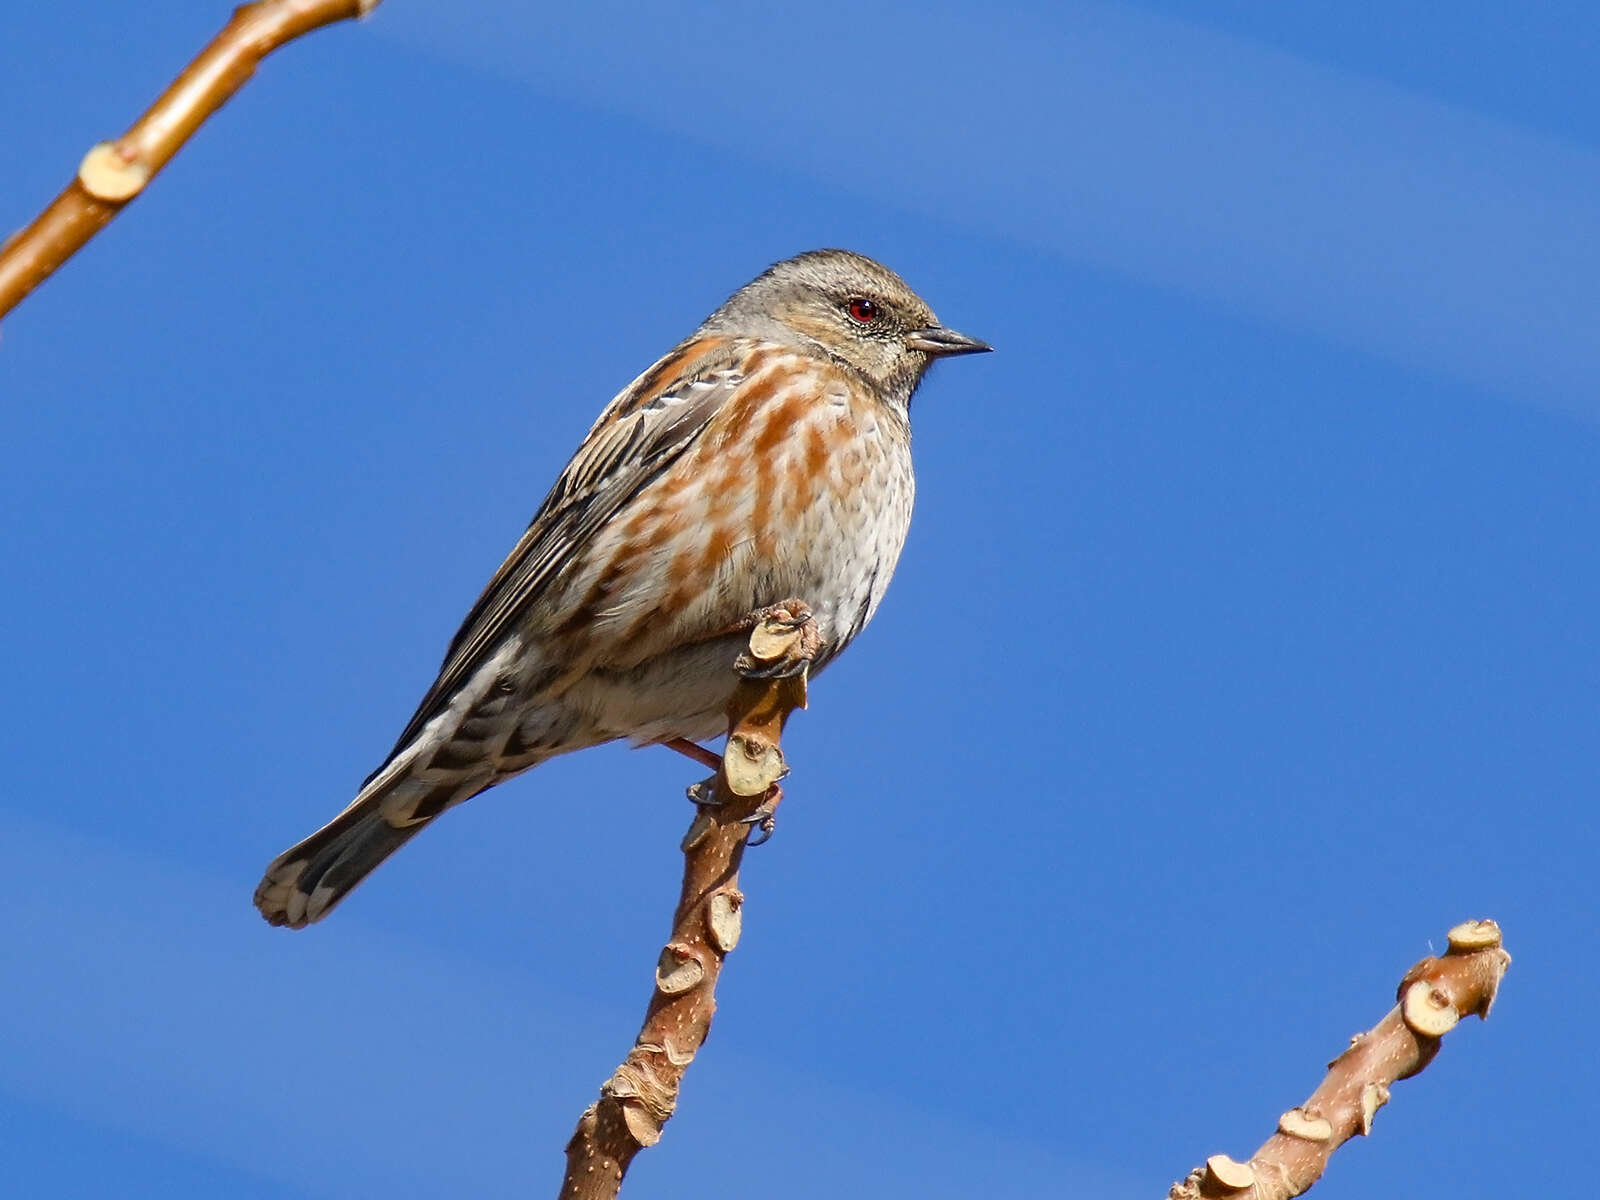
x,y
451,761
304,883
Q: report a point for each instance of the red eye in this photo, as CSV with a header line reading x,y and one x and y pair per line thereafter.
x,y
862,310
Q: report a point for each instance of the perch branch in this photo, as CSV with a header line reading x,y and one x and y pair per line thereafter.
x,y
641,1094
113,173
1434,995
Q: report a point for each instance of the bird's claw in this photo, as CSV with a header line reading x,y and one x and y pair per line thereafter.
x,y
784,668
763,821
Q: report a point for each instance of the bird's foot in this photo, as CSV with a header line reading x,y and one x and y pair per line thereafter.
x,y
703,795
784,641
762,821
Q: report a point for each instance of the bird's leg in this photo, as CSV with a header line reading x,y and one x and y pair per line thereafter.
x,y
694,750
783,643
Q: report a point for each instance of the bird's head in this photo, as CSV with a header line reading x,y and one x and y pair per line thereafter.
x,y
855,309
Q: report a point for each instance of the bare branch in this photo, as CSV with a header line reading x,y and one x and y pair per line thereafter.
x,y
641,1094
113,173
1434,995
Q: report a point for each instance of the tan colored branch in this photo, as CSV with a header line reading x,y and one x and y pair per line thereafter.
x,y
640,1096
1434,995
113,173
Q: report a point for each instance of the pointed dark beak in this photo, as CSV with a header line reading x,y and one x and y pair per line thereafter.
x,y
944,343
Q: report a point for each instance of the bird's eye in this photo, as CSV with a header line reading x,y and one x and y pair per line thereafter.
x,y
862,310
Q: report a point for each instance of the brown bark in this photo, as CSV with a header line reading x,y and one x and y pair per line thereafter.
x,y
1434,995
641,1094
113,173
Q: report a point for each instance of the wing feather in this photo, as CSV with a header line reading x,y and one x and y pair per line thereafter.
x,y
646,428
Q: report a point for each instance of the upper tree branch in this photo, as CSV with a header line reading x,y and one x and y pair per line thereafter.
x,y
112,173
1434,995
641,1094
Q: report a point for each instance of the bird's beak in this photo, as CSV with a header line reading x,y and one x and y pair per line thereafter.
x,y
944,343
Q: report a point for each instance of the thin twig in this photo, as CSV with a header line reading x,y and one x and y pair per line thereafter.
x,y
641,1094
1434,995
113,173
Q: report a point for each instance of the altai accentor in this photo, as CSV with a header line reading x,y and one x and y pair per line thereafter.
x,y
767,457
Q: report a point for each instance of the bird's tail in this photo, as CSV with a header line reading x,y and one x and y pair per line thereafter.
x,y
304,882
474,744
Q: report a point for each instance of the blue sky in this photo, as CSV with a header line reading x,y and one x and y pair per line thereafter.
x,y
1244,641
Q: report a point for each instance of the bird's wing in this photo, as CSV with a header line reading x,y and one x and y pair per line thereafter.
x,y
641,432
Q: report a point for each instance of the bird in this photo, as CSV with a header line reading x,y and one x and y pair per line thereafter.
x,y
765,457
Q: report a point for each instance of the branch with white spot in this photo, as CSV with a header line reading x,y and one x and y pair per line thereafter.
x,y
1433,997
